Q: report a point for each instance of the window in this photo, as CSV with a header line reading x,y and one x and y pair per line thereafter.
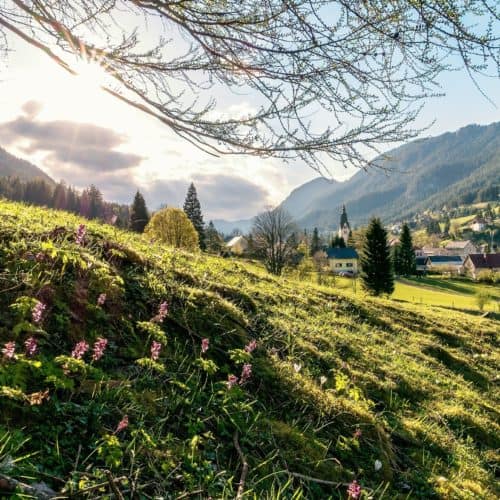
x,y
348,264
338,264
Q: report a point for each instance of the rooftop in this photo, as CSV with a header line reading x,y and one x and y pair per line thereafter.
x,y
342,253
458,244
485,260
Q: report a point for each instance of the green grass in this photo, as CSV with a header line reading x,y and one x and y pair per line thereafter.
x,y
419,382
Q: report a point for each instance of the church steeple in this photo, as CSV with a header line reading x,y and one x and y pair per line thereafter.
x,y
345,228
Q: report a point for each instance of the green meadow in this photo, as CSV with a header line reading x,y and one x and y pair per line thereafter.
x,y
400,397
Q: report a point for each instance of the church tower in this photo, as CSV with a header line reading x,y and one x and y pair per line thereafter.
x,y
345,228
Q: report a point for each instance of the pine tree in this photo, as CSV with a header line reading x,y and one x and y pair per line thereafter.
x,y
213,240
139,216
376,265
406,253
315,242
96,203
350,241
192,208
396,259
338,242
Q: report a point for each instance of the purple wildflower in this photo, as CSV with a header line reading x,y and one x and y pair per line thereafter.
x,y
122,424
9,350
101,299
155,350
37,312
31,346
99,347
79,350
246,373
162,312
80,234
251,346
354,490
204,345
232,380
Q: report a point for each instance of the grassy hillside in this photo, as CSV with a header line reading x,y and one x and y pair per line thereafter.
x,y
400,398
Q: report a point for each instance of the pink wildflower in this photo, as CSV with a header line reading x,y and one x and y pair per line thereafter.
x,y
232,380
101,299
155,350
80,234
79,350
354,490
37,312
162,312
122,424
246,373
357,434
99,347
31,346
9,350
204,345
251,346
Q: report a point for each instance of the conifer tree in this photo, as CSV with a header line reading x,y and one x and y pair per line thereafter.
x,y
376,265
351,243
213,240
338,242
406,252
139,216
192,208
315,242
396,259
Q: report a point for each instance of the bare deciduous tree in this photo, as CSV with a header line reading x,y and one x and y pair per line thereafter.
x,y
363,66
271,232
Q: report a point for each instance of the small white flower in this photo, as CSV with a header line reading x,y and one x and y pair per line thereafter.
x,y
378,465
322,380
297,367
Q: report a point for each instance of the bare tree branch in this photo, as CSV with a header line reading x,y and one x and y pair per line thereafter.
x,y
364,67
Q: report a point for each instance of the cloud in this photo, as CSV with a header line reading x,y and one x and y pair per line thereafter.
x,y
32,108
220,195
82,145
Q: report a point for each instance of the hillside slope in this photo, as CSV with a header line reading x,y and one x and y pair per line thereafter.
x,y
11,166
423,174
400,398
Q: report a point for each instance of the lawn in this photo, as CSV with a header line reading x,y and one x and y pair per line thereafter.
x,y
434,291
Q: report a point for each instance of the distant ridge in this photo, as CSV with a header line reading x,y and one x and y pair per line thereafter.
x,y
11,166
426,173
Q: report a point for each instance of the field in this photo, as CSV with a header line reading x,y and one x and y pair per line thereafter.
x,y
436,291
400,397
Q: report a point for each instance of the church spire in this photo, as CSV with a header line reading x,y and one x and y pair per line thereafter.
x,y
343,218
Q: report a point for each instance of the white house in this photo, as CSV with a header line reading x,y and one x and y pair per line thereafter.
x,y
341,260
478,224
461,247
444,263
237,245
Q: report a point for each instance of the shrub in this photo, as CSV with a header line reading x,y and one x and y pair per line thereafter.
x,y
172,226
482,298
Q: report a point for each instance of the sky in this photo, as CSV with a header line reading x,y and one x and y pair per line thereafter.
x,y
72,130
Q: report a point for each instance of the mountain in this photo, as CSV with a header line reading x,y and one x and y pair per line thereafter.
x,y
228,226
11,166
425,173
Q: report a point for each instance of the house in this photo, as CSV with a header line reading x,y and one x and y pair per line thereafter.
x,y
237,245
461,247
428,251
442,263
478,224
342,260
421,263
419,252
477,262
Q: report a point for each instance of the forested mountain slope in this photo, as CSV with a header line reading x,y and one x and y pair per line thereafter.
x,y
423,174
10,166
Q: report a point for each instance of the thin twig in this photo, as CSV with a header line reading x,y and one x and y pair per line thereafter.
x,y
114,488
244,468
317,480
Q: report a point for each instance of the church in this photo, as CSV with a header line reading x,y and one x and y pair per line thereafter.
x,y
343,261
344,228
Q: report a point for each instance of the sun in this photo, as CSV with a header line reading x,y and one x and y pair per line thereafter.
x,y
90,75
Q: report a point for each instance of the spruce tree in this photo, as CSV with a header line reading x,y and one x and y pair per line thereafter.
x,y
139,216
315,242
406,252
338,242
213,240
192,208
376,264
